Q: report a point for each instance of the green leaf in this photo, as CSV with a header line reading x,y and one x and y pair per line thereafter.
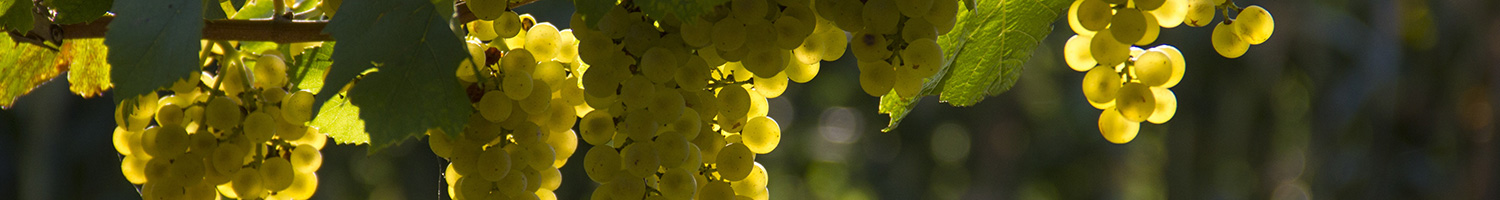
x,y
592,10
307,73
88,72
16,16
684,10
23,66
340,120
155,42
413,88
984,53
259,9
79,11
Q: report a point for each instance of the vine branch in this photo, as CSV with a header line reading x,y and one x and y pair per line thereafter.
x,y
281,31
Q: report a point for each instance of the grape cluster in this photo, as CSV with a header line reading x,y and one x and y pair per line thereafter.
x,y
895,41
523,80
238,133
1130,84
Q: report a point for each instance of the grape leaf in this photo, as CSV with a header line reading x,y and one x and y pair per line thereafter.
x,y
16,16
684,10
414,53
23,66
340,120
984,53
78,11
156,43
592,10
255,10
88,72
307,73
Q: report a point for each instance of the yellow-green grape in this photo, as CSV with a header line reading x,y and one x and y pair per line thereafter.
x,y
1255,24
494,163
671,150
482,29
667,105
716,190
735,162
597,127
551,178
247,183
234,78
507,25
944,15
488,9
1089,16
1166,105
765,63
881,16
122,140
1108,51
691,75
914,8
1101,85
276,173
1153,68
748,9
166,142
1171,13
601,163
203,143
169,114
1128,26
914,30
1115,128
870,47
687,125
223,114
542,41
1179,65
838,42
1199,13
539,100
466,69
533,182
771,87
567,47
304,184
907,86
270,71
494,106
1152,30
800,72
758,104
790,31
134,169
1148,5
466,158
734,103
638,124
539,155
637,91
297,107
923,57
1135,101
1076,53
228,158
753,184
697,32
709,143
519,61
659,64
306,158
473,188
603,81
259,127
1227,41
678,184
729,34
517,86
876,77
640,159
761,135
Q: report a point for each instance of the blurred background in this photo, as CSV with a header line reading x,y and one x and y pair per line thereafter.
x,y
1349,99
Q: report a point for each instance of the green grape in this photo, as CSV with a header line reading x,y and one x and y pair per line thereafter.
x,y
303,186
1254,24
638,124
297,107
640,159
880,16
914,30
1199,13
483,30
228,158
603,80
519,61
558,117
790,32
801,72
716,190
550,179
659,64
169,114
761,134
760,34
838,42
1128,26
1166,105
1227,41
466,158
259,127
202,142
666,105
307,159
637,91
753,184
709,144
1090,15
1116,1
517,86
694,159
876,77
122,140
810,51
1153,68
564,144
1149,5
1108,51
691,75
748,9
1076,53
597,127
539,155
533,181
923,57
907,86
914,8
1135,101
507,25
735,102
1152,30
494,163
602,164
187,169
1115,128
542,41
735,162
870,47
473,187
736,70
223,114
551,72
539,100
234,78
672,150
270,71
1179,66
134,169
494,106
944,15
276,173
1101,85
247,183
697,32
758,104
678,184
1171,13
488,9
765,63
440,143
728,34
771,87
166,142
687,124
